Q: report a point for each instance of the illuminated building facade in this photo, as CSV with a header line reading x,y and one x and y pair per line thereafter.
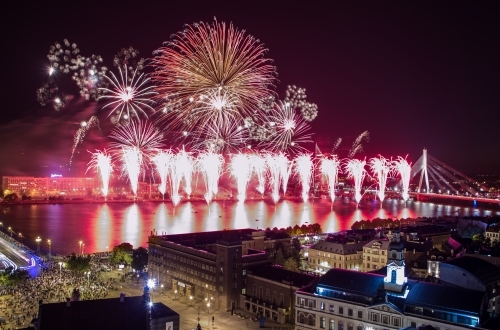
x,y
209,265
349,300
48,186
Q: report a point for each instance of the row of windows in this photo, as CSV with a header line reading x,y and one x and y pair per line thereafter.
x,y
191,271
349,257
268,295
310,320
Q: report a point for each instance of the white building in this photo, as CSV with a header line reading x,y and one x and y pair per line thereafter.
x,y
349,300
375,254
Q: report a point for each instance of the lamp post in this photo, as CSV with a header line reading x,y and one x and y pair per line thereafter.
x,y
162,289
80,246
191,300
83,246
38,240
49,242
175,296
151,285
208,308
11,231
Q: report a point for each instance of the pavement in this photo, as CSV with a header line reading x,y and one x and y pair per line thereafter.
x,y
190,310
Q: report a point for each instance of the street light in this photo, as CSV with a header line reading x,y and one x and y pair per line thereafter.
x,y
83,246
175,297
11,231
208,306
50,243
80,246
191,300
162,289
38,240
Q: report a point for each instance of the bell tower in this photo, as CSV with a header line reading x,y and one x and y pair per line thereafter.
x,y
395,279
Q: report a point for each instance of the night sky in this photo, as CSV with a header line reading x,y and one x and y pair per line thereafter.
x,y
414,74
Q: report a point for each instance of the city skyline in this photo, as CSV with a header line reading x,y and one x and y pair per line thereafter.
x,y
414,76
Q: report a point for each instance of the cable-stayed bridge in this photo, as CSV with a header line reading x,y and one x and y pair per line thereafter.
x,y
439,180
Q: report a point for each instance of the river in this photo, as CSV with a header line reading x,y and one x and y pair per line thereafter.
x,y
102,226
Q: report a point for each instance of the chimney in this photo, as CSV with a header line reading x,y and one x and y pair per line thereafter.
x,y
68,302
122,297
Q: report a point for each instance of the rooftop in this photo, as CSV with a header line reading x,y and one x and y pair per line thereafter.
x,y
279,274
485,271
338,248
353,282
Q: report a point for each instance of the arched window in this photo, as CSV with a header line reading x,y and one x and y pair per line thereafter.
x,y
301,318
393,276
360,327
311,320
331,325
341,325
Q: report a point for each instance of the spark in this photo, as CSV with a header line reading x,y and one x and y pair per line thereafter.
x,y
258,162
278,169
296,98
402,166
214,61
357,147
288,130
162,161
225,136
241,169
130,95
82,132
330,169
303,168
135,143
102,165
210,165
380,167
355,169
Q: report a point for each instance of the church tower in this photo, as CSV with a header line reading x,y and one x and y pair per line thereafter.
x,y
395,279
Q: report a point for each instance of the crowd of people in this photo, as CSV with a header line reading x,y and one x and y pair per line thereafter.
x,y
19,304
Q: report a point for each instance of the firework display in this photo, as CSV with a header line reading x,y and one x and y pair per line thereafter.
x,y
204,108
380,168
303,168
330,169
213,71
129,96
403,168
101,163
135,143
355,170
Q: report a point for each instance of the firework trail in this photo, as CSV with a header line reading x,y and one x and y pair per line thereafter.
x,y
380,167
101,163
288,128
162,164
241,169
214,61
258,162
296,97
130,94
330,169
80,134
285,168
303,168
357,147
355,169
135,143
336,145
210,165
402,166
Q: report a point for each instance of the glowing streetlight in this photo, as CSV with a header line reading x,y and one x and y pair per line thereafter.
x,y
11,231
81,247
191,300
38,240
208,307
175,298
49,242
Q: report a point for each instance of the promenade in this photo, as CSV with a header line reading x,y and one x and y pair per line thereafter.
x,y
15,254
189,309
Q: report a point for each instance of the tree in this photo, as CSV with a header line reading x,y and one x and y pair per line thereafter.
x,y
10,277
78,264
140,258
122,254
11,197
280,259
291,264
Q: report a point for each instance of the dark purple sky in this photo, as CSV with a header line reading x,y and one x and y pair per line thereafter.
x,y
414,74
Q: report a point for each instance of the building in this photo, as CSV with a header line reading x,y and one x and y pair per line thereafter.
x,y
209,265
326,254
493,233
375,254
270,292
112,313
349,300
48,186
